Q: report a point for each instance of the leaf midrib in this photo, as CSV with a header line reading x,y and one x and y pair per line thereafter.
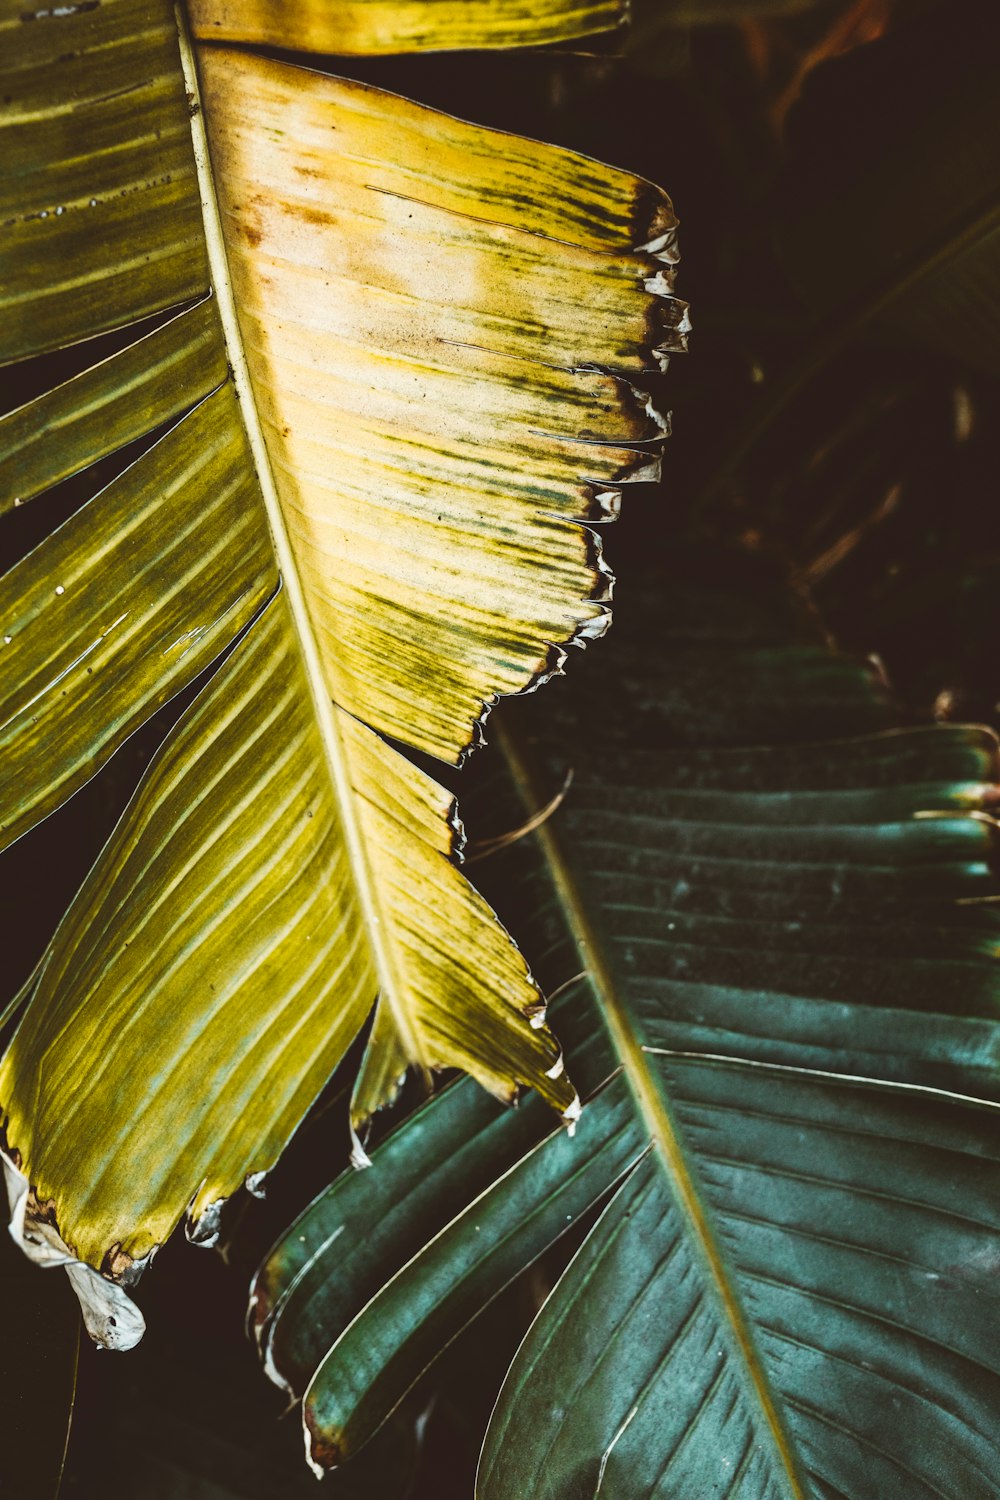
x,y
390,988
656,1116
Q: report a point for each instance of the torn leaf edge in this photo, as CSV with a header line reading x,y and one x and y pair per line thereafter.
x,y
112,1319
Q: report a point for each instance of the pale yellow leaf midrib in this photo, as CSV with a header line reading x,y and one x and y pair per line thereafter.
x,y
391,988
657,1120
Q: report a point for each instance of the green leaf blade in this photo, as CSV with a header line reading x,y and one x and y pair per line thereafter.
x,y
869,1333
384,1351
786,902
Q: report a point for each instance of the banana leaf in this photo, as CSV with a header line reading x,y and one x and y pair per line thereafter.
x,y
369,28
777,972
402,361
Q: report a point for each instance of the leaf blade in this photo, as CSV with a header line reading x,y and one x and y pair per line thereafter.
x,y
101,409
471,268
91,249
125,604
372,27
859,771
883,1316
112,1213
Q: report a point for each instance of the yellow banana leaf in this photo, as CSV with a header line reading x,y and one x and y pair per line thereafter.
x,y
404,369
371,27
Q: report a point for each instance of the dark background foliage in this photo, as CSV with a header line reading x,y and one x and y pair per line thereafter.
x,y
836,168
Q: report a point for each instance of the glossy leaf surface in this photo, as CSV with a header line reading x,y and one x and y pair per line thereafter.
x,y
368,561
92,242
110,404
760,927
856,1228
348,232
125,604
371,27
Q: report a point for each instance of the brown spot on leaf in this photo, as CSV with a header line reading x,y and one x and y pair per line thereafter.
x,y
314,215
117,1263
324,1452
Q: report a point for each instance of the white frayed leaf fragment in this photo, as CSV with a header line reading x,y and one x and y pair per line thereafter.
x,y
649,406
111,1317
610,502
359,1156
204,1231
255,1184
571,1114
661,285
648,473
593,629
317,1469
662,247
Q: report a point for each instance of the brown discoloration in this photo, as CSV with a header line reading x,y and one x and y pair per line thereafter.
x,y
117,1264
311,215
323,1451
43,1211
247,221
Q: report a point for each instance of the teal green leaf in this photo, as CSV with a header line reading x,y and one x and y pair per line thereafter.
x,y
369,1224
418,1312
858,1229
799,1004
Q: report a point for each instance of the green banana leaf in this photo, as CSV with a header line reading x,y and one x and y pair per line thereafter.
x,y
352,296
776,969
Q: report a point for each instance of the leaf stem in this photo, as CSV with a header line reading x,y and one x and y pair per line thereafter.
x,y
654,1110
390,988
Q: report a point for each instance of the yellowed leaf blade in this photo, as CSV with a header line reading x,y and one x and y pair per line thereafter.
x,y
371,27
417,296
416,367
463,988
98,198
207,979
